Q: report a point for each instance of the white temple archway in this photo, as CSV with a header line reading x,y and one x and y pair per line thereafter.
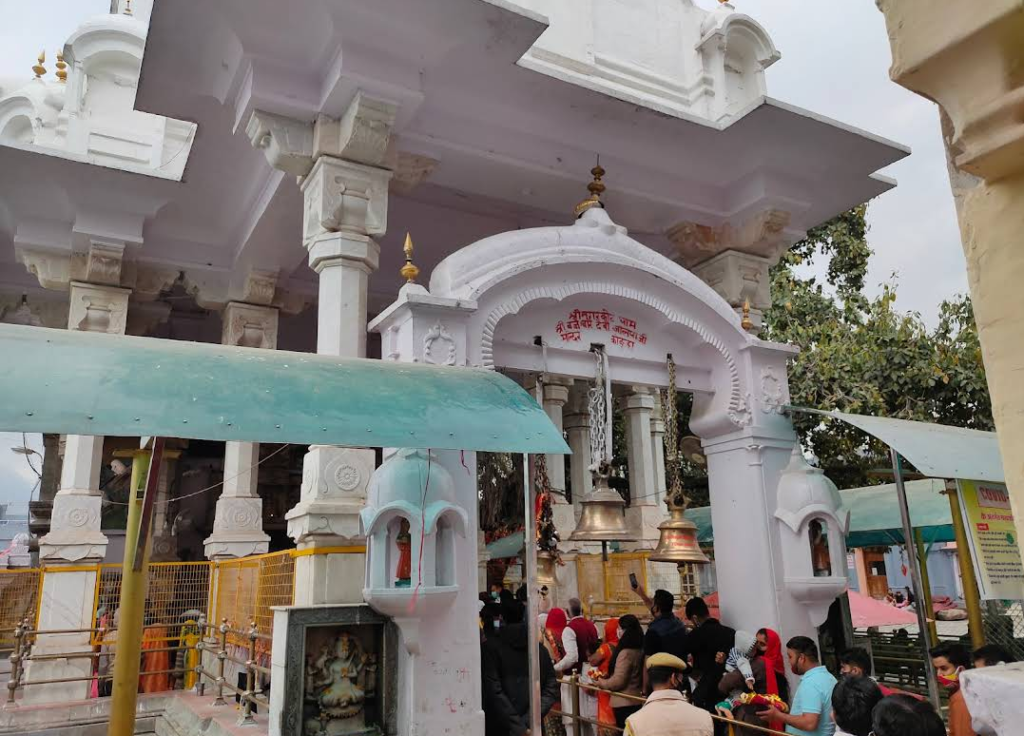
x,y
535,301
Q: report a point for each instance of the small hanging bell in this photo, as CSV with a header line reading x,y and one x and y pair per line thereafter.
x,y
603,518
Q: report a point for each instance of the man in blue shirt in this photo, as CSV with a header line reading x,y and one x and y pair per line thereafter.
x,y
811,712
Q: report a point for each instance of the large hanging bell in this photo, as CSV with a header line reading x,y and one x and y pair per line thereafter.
x,y
678,541
604,515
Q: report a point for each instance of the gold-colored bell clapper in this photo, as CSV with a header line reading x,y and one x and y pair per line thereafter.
x,y
603,517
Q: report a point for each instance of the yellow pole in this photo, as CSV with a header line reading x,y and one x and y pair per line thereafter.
x,y
926,588
130,619
963,553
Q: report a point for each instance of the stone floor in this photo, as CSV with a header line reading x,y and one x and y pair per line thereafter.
x,y
165,714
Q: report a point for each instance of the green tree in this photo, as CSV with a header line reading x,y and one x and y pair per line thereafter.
x,y
862,356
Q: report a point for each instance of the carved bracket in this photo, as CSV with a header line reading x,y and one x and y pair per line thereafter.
x,y
341,196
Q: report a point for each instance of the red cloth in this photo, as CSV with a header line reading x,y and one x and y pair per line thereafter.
x,y
586,638
774,668
605,714
556,623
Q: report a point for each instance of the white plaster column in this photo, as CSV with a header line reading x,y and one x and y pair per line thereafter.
x,y
75,540
483,557
577,430
658,445
645,511
238,520
555,395
342,166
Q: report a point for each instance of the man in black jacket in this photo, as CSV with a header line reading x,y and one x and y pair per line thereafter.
x,y
506,677
703,644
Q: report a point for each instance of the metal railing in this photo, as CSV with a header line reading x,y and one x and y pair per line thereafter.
x,y
252,694
24,636
576,686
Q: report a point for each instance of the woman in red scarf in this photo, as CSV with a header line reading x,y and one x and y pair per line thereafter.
x,y
554,626
602,660
769,647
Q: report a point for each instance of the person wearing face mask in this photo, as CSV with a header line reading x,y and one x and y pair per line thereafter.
x,y
602,662
811,711
666,712
949,661
625,674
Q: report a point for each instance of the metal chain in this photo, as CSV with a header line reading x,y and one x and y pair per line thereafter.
x,y
674,495
598,407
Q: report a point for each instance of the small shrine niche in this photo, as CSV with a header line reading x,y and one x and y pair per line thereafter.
x,y
821,560
412,523
813,535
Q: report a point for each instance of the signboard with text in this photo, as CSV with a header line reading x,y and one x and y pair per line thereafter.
x,y
993,539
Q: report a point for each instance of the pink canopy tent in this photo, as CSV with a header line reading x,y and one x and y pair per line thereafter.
x,y
867,612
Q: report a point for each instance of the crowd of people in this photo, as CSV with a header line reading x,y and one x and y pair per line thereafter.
x,y
686,667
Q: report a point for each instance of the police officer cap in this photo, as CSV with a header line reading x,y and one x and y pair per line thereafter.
x,y
663,659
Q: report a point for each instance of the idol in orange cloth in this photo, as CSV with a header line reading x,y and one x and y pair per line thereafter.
x,y
403,571
154,677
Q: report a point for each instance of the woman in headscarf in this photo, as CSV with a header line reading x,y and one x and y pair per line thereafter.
x,y
602,661
743,702
625,676
553,625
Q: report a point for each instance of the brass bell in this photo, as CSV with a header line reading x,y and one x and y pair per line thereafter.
x,y
678,540
603,518
546,570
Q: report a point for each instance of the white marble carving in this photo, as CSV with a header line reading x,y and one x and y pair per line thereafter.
x,y
98,308
334,482
439,333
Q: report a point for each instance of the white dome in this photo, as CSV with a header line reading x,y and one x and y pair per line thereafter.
x,y
805,491
410,476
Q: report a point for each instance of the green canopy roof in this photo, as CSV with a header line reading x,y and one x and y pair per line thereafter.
x,y
875,514
69,382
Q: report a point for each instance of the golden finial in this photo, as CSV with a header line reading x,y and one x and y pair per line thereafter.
x,y
747,324
38,68
409,270
128,7
596,188
62,67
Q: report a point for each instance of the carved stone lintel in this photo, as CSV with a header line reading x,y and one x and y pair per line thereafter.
x,y
52,269
334,484
148,281
361,135
287,143
343,196
98,308
761,235
411,170
249,326
260,287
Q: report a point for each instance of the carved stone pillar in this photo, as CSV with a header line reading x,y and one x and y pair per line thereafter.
x,y
969,64
344,173
238,520
74,539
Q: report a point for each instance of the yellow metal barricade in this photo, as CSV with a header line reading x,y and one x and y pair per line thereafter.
x,y
19,600
605,585
247,589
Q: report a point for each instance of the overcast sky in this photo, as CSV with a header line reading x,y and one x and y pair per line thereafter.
x,y
835,61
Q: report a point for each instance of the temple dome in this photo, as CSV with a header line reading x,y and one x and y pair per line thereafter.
x,y
805,491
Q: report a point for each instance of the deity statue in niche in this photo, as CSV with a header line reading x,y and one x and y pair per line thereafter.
x,y
820,558
403,571
340,677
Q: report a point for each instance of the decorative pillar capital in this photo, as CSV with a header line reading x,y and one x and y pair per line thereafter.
x,y
286,142
334,484
764,234
639,401
740,279
98,308
341,196
249,326
556,391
